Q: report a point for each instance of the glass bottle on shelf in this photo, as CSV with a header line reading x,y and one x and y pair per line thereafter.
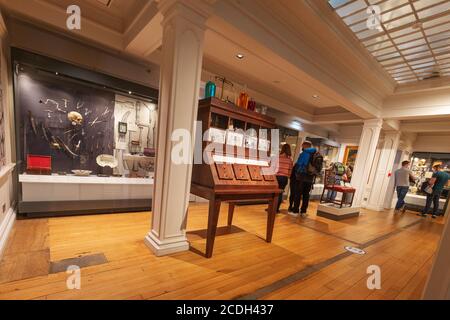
x,y
252,105
210,89
243,98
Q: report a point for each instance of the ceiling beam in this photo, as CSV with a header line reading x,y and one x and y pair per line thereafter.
x,y
415,105
391,124
298,53
432,126
341,117
144,34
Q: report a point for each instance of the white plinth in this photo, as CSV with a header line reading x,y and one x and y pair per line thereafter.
x,y
39,188
333,212
165,247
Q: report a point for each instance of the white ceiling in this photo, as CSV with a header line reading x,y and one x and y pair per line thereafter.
x,y
297,91
409,38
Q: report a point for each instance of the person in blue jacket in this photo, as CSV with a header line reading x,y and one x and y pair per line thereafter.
x,y
304,180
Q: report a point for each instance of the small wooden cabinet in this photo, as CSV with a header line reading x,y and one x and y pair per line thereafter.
x,y
236,175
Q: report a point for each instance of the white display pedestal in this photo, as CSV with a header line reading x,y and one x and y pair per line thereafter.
x,y
333,212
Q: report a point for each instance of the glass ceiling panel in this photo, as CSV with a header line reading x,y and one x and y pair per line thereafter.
x,y
409,38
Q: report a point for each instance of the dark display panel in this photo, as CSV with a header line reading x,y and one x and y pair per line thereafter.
x,y
67,120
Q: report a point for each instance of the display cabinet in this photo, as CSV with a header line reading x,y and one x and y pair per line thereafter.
x,y
241,174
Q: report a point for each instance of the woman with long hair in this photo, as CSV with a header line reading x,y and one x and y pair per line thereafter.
x,y
284,171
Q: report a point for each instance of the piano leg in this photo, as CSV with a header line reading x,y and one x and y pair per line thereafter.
x,y
213,217
230,213
271,217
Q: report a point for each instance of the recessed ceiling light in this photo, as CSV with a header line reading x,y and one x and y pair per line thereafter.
x,y
56,73
240,56
315,96
129,92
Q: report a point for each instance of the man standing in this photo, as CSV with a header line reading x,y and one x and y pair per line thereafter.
x,y
402,176
305,179
437,182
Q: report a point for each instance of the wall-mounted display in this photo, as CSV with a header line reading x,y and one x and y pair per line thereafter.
x,y
70,122
350,155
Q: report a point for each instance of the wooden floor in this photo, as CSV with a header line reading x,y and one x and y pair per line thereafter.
x,y
306,259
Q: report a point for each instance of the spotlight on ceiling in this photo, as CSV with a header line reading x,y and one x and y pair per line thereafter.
x,y
240,56
315,96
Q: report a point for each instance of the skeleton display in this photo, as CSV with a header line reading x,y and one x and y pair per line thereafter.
x,y
75,118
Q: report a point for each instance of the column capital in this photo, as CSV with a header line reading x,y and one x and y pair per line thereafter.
x,y
196,11
373,123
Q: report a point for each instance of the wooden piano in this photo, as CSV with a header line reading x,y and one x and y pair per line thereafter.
x,y
238,176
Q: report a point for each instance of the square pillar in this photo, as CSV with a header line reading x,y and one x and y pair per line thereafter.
x,y
380,190
182,51
366,153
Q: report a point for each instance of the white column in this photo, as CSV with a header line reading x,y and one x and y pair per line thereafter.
x,y
182,52
380,189
366,153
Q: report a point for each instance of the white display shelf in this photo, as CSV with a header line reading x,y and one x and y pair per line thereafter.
x,y
44,188
419,200
54,178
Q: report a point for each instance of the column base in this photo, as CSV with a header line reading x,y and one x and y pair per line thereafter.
x,y
163,248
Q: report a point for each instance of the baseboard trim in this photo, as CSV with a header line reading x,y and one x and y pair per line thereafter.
x,y
6,227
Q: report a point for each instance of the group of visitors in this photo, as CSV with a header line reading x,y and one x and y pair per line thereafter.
x,y
433,189
301,175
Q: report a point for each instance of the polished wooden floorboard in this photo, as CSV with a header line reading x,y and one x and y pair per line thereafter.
x,y
243,263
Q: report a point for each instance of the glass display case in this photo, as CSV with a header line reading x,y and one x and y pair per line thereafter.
x,y
422,167
81,145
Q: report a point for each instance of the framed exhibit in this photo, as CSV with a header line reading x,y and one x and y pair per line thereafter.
x,y
350,155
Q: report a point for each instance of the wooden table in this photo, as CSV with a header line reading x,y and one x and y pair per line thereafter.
x,y
216,199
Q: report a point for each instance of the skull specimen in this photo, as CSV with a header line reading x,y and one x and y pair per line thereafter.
x,y
75,118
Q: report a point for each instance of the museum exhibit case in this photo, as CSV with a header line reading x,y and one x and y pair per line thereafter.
x,y
237,151
85,141
422,167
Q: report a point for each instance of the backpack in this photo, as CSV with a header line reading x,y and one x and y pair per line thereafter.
x,y
315,165
339,169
